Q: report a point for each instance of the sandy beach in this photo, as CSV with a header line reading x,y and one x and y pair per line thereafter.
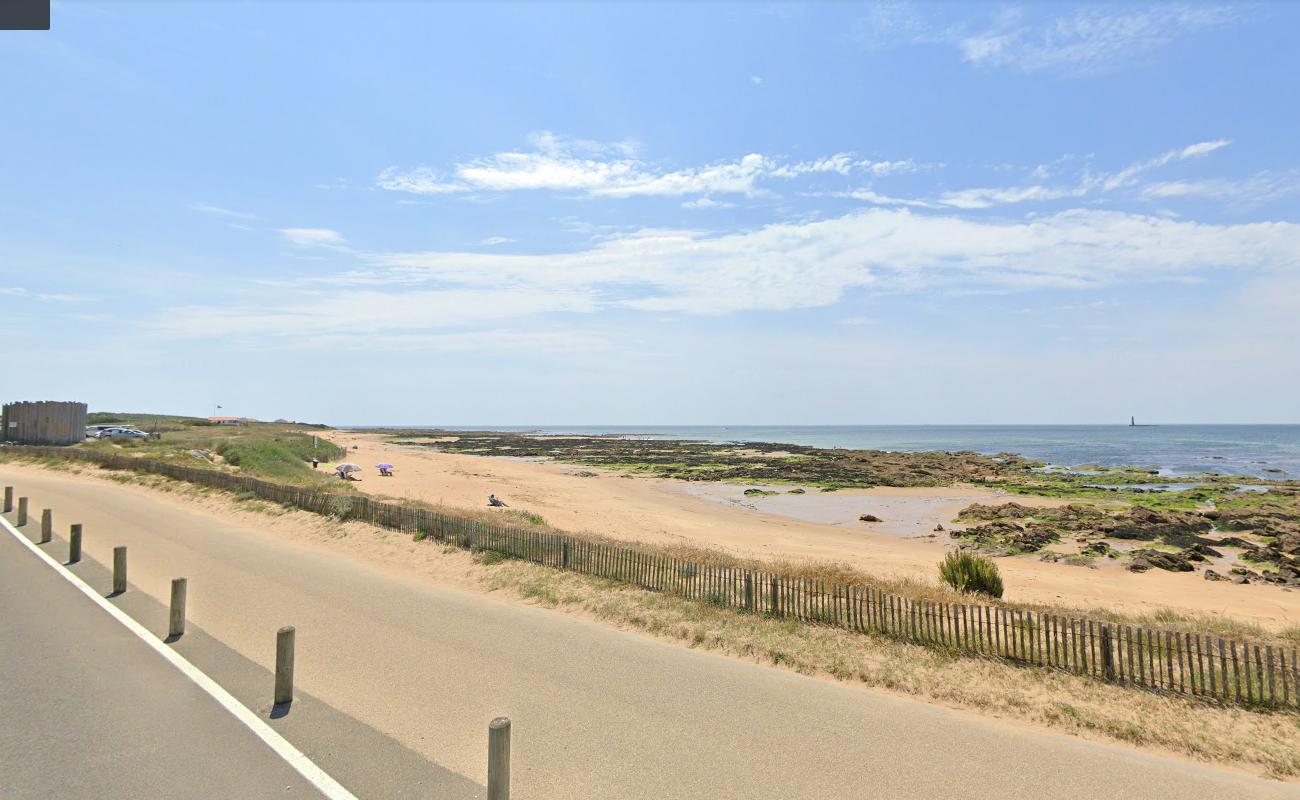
x,y
810,527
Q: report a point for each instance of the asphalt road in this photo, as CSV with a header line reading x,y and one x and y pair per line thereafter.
x,y
403,676
90,710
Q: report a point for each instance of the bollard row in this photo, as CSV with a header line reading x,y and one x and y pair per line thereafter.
x,y
498,783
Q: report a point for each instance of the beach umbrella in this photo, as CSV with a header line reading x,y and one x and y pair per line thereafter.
x,y
348,468
384,466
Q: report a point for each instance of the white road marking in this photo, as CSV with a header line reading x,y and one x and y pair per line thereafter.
x,y
329,787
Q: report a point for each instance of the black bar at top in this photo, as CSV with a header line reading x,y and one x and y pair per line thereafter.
x,y
24,15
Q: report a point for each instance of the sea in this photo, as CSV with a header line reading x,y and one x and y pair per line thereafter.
x,y
1264,451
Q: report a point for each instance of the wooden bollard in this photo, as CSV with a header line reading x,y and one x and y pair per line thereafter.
x,y
176,620
22,511
9,499
284,665
74,543
119,570
498,783
47,525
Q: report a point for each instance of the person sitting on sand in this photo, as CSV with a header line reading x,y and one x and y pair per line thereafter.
x,y
494,502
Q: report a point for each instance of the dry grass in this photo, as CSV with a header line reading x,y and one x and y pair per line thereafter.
x,y
1265,742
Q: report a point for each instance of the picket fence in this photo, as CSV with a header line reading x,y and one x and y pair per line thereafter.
x,y
1169,661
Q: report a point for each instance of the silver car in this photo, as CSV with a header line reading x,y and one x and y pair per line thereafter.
x,y
122,433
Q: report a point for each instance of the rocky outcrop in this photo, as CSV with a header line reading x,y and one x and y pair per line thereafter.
x,y
1150,524
1146,559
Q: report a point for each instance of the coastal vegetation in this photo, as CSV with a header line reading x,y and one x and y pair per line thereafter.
x,y
970,574
279,451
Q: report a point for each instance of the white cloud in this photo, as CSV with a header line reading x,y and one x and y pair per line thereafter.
x,y
221,212
885,200
786,266
1088,183
1090,40
45,297
754,79
706,202
305,313
1261,188
492,241
314,237
614,170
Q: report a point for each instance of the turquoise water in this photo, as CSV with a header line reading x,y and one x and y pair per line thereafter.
x,y
1173,449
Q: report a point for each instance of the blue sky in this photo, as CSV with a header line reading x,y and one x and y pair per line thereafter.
x,y
605,214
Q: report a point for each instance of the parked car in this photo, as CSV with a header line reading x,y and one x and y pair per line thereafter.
x,y
122,433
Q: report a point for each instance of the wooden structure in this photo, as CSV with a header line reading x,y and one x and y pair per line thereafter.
x,y
44,422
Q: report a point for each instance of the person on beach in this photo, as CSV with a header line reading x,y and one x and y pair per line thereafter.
x,y
494,502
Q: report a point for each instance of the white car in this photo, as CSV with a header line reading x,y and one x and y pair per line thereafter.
x,y
122,433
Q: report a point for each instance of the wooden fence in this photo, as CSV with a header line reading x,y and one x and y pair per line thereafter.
x,y
1176,662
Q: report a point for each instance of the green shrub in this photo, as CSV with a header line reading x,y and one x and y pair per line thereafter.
x,y
969,573
339,506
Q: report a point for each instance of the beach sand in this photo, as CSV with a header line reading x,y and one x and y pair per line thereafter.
x,y
813,527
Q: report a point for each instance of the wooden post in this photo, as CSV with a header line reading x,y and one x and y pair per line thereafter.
x,y
564,554
47,525
74,543
22,511
9,499
498,782
1107,654
119,570
749,591
176,621
284,665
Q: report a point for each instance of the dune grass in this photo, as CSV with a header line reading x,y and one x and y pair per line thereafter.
x,y
275,451
971,574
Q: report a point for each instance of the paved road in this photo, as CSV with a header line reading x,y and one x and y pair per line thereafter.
x,y
597,712
90,710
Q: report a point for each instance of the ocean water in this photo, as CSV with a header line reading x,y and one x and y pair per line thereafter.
x,y
1256,450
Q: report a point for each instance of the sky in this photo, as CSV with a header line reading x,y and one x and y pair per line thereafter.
x,y
606,214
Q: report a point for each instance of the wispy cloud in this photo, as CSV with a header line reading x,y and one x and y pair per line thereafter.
x,y
1086,40
773,268
1247,193
1089,40
706,202
44,297
1087,183
314,237
222,212
598,169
